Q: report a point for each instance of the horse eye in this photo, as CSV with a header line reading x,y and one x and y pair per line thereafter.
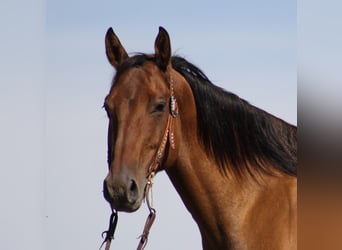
x,y
159,107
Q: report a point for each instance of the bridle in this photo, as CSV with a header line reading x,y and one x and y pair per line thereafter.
x,y
155,165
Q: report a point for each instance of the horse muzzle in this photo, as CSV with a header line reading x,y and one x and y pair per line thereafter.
x,y
123,194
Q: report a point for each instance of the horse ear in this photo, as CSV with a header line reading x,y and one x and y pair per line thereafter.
x,y
162,47
116,53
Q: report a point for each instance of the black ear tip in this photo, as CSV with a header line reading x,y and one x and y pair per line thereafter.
x,y
162,29
110,31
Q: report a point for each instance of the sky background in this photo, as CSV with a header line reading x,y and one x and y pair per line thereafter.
x,y
55,76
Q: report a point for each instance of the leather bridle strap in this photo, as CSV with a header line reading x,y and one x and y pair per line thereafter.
x,y
168,135
151,217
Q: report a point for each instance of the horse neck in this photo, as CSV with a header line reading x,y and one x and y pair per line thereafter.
x,y
228,211
220,205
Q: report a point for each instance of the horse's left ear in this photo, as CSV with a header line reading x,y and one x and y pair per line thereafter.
x,y
162,47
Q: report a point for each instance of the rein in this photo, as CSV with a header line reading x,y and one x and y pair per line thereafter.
x,y
157,162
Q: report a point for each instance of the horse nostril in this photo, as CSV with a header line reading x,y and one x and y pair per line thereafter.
x,y
133,188
133,191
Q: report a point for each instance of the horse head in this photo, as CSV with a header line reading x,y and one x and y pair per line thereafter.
x,y
138,107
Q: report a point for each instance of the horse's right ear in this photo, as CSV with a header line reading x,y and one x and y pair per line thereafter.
x,y
116,53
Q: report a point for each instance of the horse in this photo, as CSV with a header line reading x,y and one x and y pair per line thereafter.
x,y
233,165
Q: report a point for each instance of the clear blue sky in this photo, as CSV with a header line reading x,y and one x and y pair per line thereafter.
x,y
55,129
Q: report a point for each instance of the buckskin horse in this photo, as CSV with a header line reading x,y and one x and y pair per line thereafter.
x,y
233,164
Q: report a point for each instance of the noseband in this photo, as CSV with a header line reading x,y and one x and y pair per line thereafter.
x,y
155,165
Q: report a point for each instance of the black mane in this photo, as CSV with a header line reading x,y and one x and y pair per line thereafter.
x,y
236,134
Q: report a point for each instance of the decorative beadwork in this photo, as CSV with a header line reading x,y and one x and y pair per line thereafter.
x,y
169,132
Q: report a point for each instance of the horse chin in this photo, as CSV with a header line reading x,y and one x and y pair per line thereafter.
x,y
127,207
